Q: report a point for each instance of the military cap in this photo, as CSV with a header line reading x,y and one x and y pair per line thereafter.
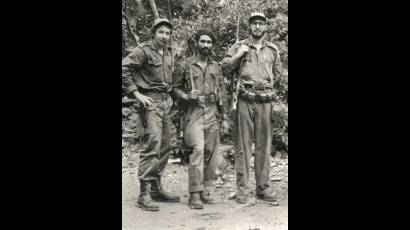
x,y
257,15
161,21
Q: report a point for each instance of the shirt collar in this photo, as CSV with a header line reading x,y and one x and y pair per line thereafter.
x,y
248,43
195,60
154,47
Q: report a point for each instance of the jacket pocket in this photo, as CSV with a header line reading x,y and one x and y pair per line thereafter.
x,y
153,60
268,70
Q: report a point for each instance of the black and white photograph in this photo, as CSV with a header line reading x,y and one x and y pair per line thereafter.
x,y
205,114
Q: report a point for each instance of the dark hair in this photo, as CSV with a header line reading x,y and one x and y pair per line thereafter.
x,y
205,32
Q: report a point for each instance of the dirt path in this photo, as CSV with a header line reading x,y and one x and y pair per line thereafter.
x,y
226,214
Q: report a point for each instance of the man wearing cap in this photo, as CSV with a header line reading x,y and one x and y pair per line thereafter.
x,y
198,82
257,63
147,74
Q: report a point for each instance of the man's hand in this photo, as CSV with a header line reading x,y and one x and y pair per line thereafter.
x,y
243,50
225,126
145,100
193,95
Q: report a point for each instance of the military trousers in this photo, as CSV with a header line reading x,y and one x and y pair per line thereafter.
x,y
153,158
201,140
252,124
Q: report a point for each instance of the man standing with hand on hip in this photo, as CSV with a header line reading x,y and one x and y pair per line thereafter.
x,y
147,74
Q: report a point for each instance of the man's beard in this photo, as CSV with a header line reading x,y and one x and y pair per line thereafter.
x,y
257,36
205,51
161,42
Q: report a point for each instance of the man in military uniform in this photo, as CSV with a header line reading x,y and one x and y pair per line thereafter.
x,y
147,75
198,82
257,64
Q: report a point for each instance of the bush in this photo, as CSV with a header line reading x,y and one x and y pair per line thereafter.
x,y
220,16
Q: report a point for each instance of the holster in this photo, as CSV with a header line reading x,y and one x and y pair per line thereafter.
x,y
142,112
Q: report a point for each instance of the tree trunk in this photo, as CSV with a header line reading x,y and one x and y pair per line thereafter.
x,y
169,10
154,8
133,35
140,8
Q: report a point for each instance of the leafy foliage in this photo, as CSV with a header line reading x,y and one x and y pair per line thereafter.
x,y
220,16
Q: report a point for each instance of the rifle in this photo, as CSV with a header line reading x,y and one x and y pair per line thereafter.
x,y
191,80
236,78
235,90
183,106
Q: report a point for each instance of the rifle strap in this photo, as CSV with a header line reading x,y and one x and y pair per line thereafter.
x,y
190,78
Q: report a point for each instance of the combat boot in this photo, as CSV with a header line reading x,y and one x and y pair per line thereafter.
x,y
158,193
205,198
195,201
266,195
144,199
241,197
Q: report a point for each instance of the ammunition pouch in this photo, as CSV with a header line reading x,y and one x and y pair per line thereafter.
x,y
207,100
256,94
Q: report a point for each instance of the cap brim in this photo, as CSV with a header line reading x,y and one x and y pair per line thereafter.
x,y
256,17
163,23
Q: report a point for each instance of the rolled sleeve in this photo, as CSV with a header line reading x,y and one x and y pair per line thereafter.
x,y
178,80
228,65
277,66
130,64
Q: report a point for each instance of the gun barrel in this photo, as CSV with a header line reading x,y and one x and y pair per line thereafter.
x,y
191,79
